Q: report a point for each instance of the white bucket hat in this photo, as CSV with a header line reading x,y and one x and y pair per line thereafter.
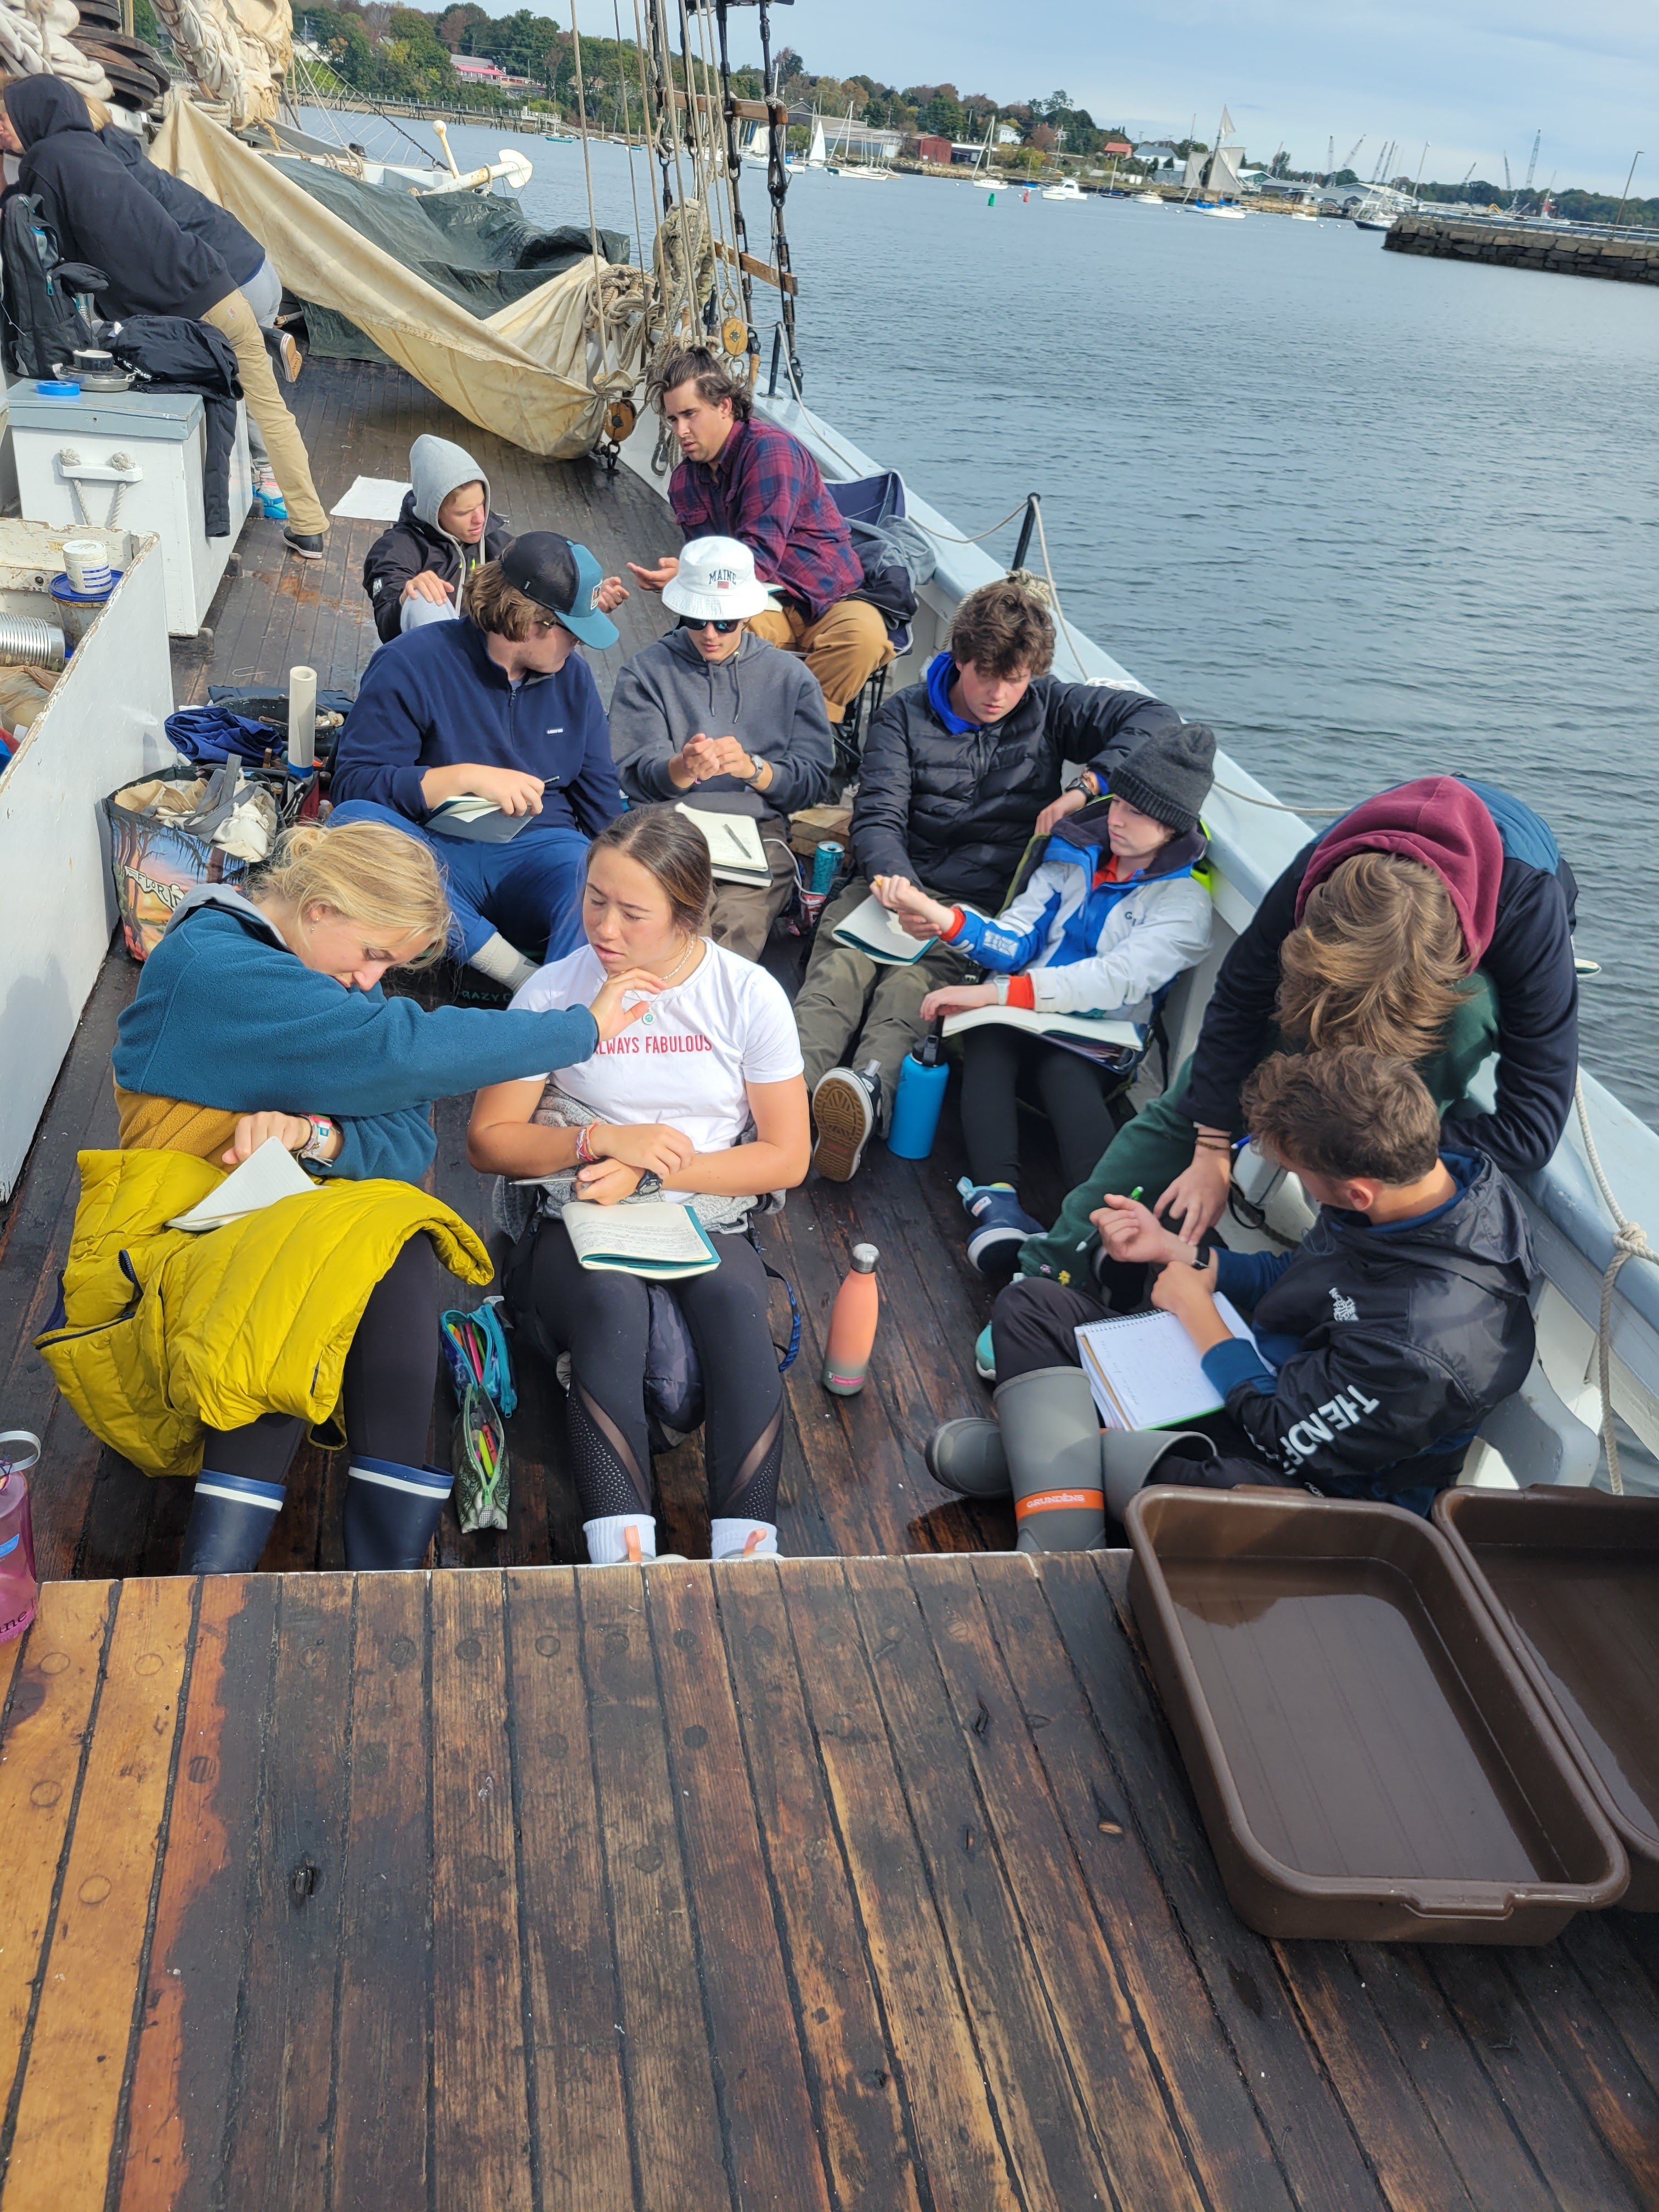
x,y
716,583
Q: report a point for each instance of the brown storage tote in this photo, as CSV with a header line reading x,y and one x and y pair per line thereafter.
x,y
1370,1761
1572,1578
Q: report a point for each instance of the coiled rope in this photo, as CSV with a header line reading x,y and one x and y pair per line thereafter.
x,y
1629,1242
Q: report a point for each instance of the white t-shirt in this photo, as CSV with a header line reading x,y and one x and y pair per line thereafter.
x,y
687,1059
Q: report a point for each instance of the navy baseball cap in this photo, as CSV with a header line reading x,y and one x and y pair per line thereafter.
x,y
564,579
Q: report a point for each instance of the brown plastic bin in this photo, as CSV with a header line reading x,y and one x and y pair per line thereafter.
x,y
1370,1761
1572,1578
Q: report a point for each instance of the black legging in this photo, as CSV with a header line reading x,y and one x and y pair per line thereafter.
x,y
1072,1090
387,1389
602,1320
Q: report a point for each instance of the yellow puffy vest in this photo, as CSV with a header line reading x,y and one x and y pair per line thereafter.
x,y
164,1332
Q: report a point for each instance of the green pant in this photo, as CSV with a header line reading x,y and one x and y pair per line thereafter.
x,y
1151,1151
852,1010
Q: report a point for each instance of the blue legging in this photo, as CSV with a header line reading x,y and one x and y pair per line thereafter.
x,y
528,890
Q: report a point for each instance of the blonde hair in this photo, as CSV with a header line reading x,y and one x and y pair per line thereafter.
x,y
367,872
102,117
1377,960
500,607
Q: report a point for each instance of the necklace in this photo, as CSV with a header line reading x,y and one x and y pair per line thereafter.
x,y
669,974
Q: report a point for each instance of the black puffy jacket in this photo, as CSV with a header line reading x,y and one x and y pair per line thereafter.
x,y
103,216
193,211
1410,1336
408,547
955,812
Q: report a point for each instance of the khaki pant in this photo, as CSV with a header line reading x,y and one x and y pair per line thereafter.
x,y
843,647
852,1010
743,914
233,319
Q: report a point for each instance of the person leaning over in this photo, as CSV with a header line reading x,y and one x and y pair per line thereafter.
x,y
1108,920
1386,1337
712,716
959,771
1433,924
415,572
104,216
499,707
260,1015
705,1096
739,477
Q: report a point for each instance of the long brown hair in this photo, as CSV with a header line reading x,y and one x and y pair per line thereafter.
x,y
1378,960
674,851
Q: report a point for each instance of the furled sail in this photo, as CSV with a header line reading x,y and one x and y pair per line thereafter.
x,y
37,37
238,50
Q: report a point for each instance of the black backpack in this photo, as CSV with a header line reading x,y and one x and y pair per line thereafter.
x,y
42,326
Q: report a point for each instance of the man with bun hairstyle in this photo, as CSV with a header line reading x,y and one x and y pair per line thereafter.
x,y
499,707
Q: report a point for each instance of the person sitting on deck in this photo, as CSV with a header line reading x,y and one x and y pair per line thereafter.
x,y
712,716
260,1015
1109,919
739,477
959,772
104,216
1385,1339
1433,922
706,1097
499,708
415,572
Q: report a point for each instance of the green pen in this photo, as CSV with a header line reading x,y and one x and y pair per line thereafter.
x,y
1134,1194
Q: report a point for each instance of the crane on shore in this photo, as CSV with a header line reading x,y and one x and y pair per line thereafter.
x,y
1532,166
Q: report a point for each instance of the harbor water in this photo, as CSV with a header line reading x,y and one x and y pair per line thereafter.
x,y
1372,516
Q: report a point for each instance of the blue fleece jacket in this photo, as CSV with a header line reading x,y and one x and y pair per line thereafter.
x,y
435,698
226,1016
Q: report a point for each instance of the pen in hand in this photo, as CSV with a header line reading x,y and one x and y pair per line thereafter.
x,y
1133,1195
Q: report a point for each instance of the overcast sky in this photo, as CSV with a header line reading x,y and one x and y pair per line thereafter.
x,y
1476,78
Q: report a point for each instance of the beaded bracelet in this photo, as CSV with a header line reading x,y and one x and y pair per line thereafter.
x,y
585,1154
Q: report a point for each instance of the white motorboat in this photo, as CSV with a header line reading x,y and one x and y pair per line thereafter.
x,y
1067,189
1149,199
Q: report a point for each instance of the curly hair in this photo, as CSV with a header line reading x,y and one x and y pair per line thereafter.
x,y
1003,631
1345,1113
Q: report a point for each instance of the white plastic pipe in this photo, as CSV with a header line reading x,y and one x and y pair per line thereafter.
x,y
302,719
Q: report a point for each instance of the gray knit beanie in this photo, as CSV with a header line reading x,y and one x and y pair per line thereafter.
x,y
1168,776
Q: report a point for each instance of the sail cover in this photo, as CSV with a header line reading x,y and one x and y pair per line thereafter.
x,y
540,369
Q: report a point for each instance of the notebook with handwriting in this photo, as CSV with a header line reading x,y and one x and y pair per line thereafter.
x,y
1145,1371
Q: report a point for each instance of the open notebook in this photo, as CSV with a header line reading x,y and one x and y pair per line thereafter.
x,y
480,821
642,1236
736,854
1094,1036
875,931
270,1174
1145,1370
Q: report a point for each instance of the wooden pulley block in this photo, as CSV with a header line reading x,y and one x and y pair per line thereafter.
x,y
734,335
620,417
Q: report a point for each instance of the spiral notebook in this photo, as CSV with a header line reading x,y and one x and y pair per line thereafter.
x,y
1145,1371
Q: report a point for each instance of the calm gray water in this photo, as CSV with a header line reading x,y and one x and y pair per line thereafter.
x,y
1372,517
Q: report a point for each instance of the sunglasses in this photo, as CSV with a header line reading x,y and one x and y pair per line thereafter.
x,y
726,628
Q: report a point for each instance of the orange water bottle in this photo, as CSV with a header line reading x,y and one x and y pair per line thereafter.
x,y
852,1325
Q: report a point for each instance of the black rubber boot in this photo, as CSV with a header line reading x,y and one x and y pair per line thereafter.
x,y
231,1518
391,1513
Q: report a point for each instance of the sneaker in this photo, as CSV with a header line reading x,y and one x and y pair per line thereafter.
x,y
269,503
1002,1225
985,1359
288,354
308,548
845,1105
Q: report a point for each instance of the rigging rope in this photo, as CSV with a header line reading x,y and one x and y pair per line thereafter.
x,y
592,219
1629,1242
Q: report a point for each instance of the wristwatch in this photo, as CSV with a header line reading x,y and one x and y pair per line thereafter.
x,y
1087,783
322,1130
649,1184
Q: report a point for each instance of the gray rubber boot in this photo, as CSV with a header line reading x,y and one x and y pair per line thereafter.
x,y
967,1456
1051,1434
1130,1459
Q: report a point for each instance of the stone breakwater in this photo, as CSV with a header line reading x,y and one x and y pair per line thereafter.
x,y
1630,259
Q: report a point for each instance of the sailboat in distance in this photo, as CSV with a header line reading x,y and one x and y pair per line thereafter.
x,y
1215,173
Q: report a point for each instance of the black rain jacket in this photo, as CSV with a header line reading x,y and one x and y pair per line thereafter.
x,y
955,812
1410,1337
193,211
102,215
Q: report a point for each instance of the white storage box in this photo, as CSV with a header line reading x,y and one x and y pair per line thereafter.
x,y
102,725
75,456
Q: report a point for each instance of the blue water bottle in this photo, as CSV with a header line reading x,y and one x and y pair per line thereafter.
x,y
920,1094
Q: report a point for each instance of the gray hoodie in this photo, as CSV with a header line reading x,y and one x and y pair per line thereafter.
x,y
764,698
415,540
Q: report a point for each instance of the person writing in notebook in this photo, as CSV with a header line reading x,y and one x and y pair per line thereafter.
x,y
704,1103
1385,1339
712,717
1107,920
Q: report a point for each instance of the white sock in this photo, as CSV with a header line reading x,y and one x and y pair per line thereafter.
x,y
502,963
607,1537
729,1539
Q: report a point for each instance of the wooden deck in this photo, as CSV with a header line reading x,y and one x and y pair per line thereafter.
x,y
853,1478
863,1884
